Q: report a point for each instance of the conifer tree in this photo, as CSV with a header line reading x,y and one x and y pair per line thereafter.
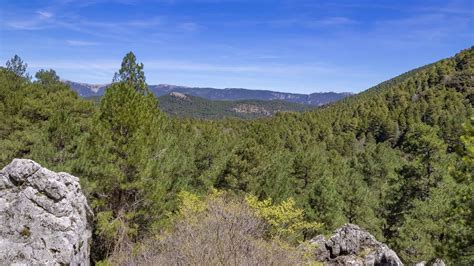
x,y
123,140
46,77
17,66
132,73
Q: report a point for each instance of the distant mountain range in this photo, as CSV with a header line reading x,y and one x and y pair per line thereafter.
x,y
228,94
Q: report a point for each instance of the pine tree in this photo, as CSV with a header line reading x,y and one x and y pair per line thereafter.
x,y
132,73
47,77
115,155
17,66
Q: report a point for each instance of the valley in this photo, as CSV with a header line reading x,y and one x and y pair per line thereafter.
x,y
396,160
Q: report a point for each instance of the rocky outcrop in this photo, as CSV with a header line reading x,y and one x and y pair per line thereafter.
x,y
351,245
44,217
251,109
179,95
436,262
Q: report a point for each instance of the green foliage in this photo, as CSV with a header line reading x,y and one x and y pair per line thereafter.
x,y
47,77
40,122
132,73
395,159
359,202
468,141
438,227
187,106
200,108
120,139
17,66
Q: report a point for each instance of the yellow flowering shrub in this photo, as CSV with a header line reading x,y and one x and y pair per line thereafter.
x,y
286,221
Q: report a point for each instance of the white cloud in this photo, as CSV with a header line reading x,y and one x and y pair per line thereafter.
x,y
190,67
41,20
44,14
23,25
80,43
336,21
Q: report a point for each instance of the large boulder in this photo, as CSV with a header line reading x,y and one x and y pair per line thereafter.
x,y
44,217
351,245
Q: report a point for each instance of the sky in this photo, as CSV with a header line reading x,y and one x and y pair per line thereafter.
x,y
299,46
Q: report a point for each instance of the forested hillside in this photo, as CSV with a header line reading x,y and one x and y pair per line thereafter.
x,y
181,105
397,160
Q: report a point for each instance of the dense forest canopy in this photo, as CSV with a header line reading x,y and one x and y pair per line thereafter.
x,y
397,159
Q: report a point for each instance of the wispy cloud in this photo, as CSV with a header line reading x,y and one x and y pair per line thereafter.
x,y
47,19
44,14
87,3
22,25
119,31
429,27
81,43
416,27
177,65
267,41
32,21
306,22
188,26
335,21
39,20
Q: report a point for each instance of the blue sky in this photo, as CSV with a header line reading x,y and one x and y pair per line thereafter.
x,y
287,45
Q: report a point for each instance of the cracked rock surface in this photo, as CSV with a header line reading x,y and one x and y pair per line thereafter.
x,y
44,217
350,245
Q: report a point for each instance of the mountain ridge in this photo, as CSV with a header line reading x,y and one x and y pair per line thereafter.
x,y
231,94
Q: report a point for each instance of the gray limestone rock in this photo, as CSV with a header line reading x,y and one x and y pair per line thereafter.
x,y
351,245
44,217
438,262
